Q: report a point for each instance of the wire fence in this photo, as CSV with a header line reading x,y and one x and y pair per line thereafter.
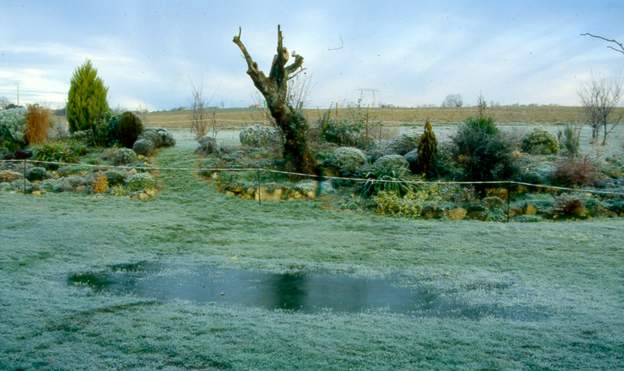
x,y
321,177
508,185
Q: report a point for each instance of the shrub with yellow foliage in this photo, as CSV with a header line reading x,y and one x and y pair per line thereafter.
x,y
100,183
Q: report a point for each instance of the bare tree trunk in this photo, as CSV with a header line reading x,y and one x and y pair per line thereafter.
x,y
595,130
274,88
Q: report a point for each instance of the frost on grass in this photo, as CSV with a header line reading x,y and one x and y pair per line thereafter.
x,y
49,324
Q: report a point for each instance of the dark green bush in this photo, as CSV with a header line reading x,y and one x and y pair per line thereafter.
x,y
570,140
106,131
616,206
143,147
347,160
130,127
36,173
115,177
388,173
344,132
403,144
60,152
446,165
427,152
481,152
140,182
540,142
395,164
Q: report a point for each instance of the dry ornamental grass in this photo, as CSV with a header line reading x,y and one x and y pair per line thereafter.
x,y
37,124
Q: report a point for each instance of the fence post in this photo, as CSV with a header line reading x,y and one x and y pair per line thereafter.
x,y
508,202
258,186
24,174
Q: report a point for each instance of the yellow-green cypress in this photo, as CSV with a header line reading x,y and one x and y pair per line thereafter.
x,y
86,102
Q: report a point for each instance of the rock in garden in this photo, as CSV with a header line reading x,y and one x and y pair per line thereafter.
x,y
124,156
75,181
403,144
326,187
348,160
143,147
207,146
160,137
153,136
412,159
22,185
390,165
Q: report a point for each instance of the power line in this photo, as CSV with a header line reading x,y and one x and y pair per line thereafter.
x,y
22,90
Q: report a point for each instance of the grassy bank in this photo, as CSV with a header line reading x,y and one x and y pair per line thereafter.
x,y
571,273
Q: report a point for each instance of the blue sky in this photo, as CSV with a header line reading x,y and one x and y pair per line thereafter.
x,y
412,52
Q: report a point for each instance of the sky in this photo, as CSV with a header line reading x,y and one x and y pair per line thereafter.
x,y
150,53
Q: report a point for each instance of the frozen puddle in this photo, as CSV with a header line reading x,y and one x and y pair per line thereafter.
x,y
305,292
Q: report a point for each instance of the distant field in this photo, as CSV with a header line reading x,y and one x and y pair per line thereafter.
x,y
236,117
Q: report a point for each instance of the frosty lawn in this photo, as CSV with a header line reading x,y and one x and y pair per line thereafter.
x,y
570,272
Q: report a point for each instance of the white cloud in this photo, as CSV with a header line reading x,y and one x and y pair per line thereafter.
x,y
412,55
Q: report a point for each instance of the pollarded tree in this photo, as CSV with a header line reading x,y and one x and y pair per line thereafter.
x,y
86,102
274,88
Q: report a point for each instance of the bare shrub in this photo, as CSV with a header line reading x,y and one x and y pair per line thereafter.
x,y
576,172
299,89
600,97
199,119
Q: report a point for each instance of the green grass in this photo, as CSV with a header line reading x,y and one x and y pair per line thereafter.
x,y
573,271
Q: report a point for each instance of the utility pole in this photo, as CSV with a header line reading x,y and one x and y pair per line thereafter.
x,y
18,93
372,93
